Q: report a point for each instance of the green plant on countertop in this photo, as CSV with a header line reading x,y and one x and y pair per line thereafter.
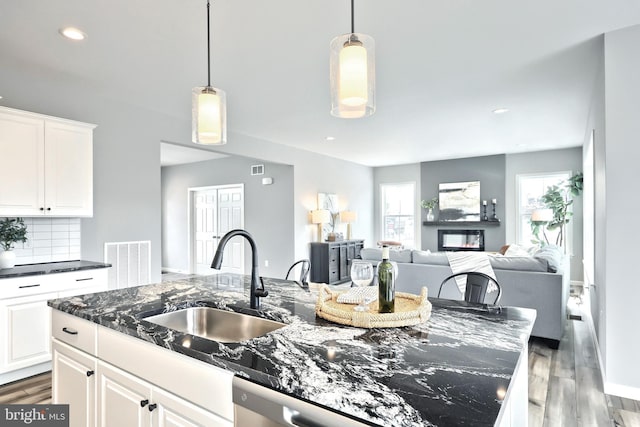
x,y
559,199
12,230
429,204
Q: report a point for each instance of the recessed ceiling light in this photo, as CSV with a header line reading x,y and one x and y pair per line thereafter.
x,y
72,33
330,138
500,110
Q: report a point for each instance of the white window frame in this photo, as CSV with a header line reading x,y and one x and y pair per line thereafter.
x,y
520,212
416,218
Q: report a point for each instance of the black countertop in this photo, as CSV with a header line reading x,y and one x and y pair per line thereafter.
x,y
50,268
450,371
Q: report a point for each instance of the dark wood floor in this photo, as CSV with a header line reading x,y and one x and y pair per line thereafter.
x,y
565,385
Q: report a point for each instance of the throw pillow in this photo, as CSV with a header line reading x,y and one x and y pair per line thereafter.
x,y
553,255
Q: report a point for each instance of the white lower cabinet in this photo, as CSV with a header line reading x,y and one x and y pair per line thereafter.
x,y
126,400
123,399
103,395
25,335
74,383
25,328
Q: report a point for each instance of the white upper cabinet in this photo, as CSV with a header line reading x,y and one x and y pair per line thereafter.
x,y
47,165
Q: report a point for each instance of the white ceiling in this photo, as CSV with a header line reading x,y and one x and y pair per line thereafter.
x,y
442,67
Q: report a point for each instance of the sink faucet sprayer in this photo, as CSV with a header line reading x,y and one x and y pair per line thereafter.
x,y
256,292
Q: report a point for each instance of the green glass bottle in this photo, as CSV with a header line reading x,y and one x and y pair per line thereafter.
x,y
386,284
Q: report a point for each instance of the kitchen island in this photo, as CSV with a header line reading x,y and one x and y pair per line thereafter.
x,y
461,367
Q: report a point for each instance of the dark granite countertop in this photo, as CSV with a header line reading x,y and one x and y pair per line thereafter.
x,y
50,268
450,371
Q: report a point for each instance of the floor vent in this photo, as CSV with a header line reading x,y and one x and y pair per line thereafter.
x,y
574,317
130,261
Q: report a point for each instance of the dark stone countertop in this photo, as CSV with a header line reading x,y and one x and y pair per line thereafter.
x,y
50,268
452,370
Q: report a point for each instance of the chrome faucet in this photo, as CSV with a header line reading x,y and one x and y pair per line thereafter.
x,y
256,292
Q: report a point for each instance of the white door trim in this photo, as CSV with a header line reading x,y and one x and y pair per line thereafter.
x,y
191,259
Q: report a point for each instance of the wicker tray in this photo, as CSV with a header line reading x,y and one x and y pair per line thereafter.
x,y
409,310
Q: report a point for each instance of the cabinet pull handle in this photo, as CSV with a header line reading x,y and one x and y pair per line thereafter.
x,y
41,208
29,286
89,373
144,403
86,278
69,331
48,209
152,407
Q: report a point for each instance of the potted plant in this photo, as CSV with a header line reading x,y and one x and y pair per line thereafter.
x,y
429,205
558,199
12,230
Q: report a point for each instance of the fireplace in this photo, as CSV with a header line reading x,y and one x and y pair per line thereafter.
x,y
461,240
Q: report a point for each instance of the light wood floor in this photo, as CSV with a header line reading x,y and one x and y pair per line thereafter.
x,y
565,385
31,391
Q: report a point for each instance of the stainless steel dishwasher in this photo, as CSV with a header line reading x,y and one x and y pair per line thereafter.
x,y
257,406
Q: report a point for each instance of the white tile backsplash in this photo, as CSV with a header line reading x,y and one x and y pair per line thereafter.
x,y
49,240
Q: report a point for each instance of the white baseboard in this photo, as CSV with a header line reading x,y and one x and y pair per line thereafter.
x,y
592,330
632,393
173,270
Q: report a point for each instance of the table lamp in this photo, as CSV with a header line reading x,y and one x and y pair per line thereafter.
x,y
319,217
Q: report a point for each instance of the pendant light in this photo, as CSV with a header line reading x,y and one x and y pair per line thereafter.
x,y
352,74
208,107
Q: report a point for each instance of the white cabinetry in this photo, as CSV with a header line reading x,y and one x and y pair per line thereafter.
x,y
140,403
47,165
25,335
25,317
74,382
128,395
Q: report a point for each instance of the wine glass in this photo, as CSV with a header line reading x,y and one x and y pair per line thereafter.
x,y
361,275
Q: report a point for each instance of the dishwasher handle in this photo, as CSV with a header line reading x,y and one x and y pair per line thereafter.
x,y
295,418
251,400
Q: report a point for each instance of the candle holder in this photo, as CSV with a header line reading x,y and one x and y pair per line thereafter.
x,y
494,217
484,213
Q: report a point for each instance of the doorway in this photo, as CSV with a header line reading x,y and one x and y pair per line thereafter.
x,y
213,211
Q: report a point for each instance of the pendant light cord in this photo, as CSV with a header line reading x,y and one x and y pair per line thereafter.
x,y
352,25
209,48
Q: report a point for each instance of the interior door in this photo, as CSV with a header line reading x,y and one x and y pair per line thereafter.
x,y
231,216
205,232
217,210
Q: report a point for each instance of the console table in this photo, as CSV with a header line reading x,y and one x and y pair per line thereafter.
x,y
331,261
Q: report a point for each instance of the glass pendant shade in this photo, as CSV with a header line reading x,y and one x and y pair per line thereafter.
x,y
352,63
209,116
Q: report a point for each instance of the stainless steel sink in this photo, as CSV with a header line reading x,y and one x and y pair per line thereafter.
x,y
215,324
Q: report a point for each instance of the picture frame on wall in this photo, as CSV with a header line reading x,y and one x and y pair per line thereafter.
x,y
459,201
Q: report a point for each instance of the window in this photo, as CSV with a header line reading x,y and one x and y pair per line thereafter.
x,y
398,203
530,191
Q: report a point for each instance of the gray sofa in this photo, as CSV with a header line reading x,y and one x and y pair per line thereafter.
x,y
538,282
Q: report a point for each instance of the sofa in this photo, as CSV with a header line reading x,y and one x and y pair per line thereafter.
x,y
540,281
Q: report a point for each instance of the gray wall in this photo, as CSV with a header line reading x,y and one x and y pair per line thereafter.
x,y
569,159
126,154
622,155
314,173
391,175
127,187
595,208
268,213
489,170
